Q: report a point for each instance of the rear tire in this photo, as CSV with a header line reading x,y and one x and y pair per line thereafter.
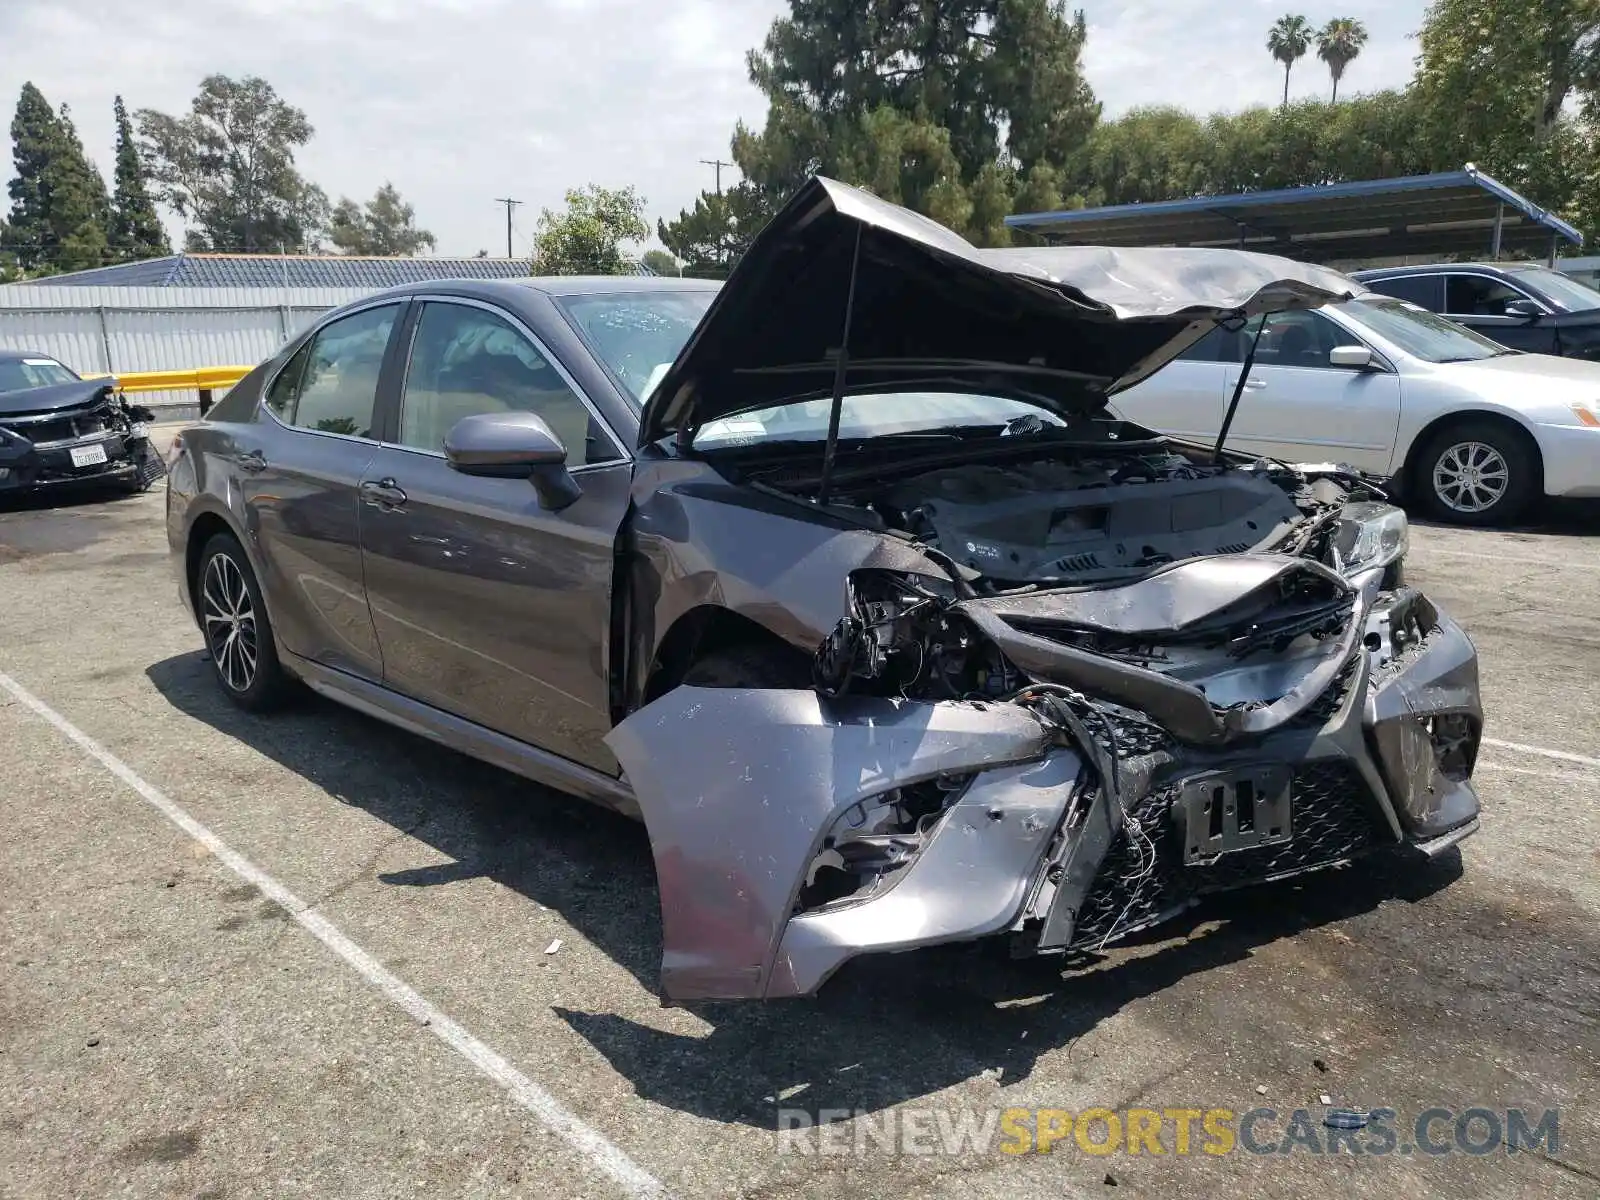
x,y
238,633
1477,473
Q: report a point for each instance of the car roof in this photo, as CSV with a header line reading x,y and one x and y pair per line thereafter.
x,y
19,355
550,285
1422,268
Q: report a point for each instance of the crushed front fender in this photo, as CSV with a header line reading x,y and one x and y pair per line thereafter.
x,y
739,787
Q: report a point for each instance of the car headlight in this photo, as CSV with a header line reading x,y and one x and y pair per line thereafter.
x,y
1372,534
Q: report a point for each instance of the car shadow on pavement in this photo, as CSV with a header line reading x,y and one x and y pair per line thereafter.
x,y
885,1030
66,497
1572,518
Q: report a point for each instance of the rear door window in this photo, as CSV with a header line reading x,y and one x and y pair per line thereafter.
x,y
1425,291
331,385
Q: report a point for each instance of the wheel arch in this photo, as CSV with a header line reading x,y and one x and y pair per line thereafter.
x,y
1515,424
700,631
201,530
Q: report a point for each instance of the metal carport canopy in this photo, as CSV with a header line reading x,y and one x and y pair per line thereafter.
x,y
1422,216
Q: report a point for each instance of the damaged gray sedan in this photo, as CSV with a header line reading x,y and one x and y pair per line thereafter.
x,y
845,580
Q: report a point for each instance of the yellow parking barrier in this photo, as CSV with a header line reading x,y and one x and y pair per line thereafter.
x,y
204,380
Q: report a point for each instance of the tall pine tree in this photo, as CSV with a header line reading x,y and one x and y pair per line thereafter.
x,y
951,107
136,230
59,206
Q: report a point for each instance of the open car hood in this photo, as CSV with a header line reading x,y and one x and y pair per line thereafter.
x,y
1064,327
53,398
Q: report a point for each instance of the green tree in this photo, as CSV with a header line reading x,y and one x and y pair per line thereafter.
x,y
1493,82
386,225
1339,42
10,268
713,235
587,238
1287,41
943,105
136,230
59,206
659,262
227,167
1146,154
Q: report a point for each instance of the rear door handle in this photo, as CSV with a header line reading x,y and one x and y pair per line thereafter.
x,y
383,493
250,460
1250,385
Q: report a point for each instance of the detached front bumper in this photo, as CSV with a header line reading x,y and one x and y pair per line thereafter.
x,y
741,791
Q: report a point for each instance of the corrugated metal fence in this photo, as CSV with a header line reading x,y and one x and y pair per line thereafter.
x,y
110,329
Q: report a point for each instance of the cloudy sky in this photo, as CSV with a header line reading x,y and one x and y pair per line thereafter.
x,y
461,101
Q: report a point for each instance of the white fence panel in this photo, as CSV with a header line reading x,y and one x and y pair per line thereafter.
x,y
73,337
144,340
97,330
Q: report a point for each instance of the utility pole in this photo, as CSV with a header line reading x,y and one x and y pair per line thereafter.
x,y
718,164
510,204
722,258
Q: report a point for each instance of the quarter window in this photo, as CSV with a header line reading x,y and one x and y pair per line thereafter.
x,y
466,361
331,385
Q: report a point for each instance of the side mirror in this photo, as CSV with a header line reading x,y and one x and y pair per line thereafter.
x,y
513,445
1356,357
1523,307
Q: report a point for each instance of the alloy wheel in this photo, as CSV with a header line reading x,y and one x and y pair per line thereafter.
x,y
230,622
1471,477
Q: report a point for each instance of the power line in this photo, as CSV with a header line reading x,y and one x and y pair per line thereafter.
x,y
510,204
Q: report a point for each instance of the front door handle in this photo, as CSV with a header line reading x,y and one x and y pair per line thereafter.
x,y
383,493
1250,385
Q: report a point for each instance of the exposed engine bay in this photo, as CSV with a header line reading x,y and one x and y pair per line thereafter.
x,y
1103,551
1175,626
1050,521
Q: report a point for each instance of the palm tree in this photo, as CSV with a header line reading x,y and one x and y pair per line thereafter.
x,y
1338,44
1288,40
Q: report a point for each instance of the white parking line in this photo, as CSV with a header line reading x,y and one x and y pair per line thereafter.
x,y
1559,755
605,1157
1501,768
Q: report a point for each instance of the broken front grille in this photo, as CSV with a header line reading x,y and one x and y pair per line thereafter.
x,y
1331,817
61,427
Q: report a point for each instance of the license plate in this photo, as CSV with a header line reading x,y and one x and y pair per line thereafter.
x,y
1226,811
87,456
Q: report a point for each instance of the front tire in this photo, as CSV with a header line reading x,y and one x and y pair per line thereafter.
x,y
1477,473
244,655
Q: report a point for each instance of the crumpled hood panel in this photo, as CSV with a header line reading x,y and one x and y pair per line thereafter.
x,y
1169,602
1065,326
56,397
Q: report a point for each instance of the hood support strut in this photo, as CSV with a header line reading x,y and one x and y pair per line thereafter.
x,y
839,370
1238,390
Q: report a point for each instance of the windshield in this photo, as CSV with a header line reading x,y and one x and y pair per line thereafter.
x,y
1420,333
19,374
873,415
1565,292
637,334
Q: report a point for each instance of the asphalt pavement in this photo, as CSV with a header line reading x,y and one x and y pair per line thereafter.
x,y
310,955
